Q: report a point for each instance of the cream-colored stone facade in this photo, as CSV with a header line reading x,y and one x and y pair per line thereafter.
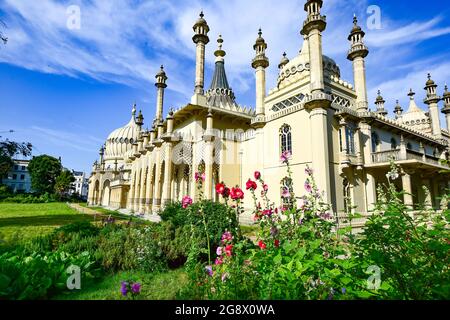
x,y
326,122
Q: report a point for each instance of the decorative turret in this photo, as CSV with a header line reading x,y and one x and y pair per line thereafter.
x,y
260,62
398,110
140,119
358,51
432,100
220,93
446,108
313,26
201,39
160,84
379,102
284,61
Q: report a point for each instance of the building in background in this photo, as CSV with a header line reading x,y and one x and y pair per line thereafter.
x,y
18,179
313,116
81,184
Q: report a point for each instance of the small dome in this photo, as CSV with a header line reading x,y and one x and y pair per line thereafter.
x,y
430,81
446,92
299,66
201,22
121,140
284,61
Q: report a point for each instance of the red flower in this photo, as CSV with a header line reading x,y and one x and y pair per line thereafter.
x,y
277,243
261,244
220,188
257,175
228,249
251,185
236,193
265,187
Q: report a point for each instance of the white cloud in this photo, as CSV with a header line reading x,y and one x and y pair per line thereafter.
x,y
125,41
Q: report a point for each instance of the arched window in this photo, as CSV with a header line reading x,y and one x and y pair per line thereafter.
x,y
393,144
375,142
286,138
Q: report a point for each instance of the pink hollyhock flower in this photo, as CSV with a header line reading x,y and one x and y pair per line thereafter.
x,y
308,186
226,236
257,175
308,171
236,194
251,185
262,245
266,187
220,188
277,243
286,194
267,212
199,176
219,251
285,156
186,202
218,261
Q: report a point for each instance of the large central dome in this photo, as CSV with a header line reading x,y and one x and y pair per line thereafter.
x,y
121,140
299,67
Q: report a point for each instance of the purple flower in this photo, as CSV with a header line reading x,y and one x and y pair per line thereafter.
x,y
308,187
136,287
343,290
209,270
124,288
308,171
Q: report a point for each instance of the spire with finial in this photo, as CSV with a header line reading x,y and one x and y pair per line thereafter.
x,y
161,78
219,53
446,108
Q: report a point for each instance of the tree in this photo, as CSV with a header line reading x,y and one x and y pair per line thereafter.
x,y
8,150
64,182
44,170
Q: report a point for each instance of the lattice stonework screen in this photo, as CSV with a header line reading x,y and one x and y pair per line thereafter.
x,y
288,102
182,153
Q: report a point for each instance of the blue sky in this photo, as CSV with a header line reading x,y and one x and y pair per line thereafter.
x,y
66,90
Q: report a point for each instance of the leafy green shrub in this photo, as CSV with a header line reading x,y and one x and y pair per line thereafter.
x,y
130,248
38,276
412,251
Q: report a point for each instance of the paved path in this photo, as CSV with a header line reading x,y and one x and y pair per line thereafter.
x,y
85,210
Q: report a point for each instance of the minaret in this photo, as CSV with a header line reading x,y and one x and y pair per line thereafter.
x,y
201,39
140,119
318,103
379,102
313,26
161,79
432,100
260,62
356,54
446,109
398,110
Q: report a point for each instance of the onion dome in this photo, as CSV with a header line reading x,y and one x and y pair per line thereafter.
x,y
121,140
398,109
140,119
284,61
201,30
161,78
356,29
430,81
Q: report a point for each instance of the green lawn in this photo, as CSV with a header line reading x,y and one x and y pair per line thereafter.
x,y
25,221
160,286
